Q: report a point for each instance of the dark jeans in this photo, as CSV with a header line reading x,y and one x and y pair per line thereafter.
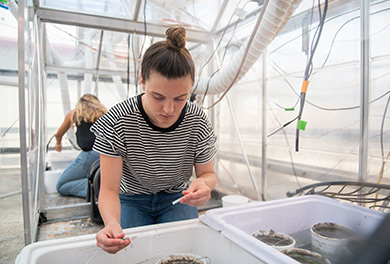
x,y
147,209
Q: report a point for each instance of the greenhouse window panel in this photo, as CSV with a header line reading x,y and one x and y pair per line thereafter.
x,y
200,15
116,8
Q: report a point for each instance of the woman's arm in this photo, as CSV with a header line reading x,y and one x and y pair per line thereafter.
x,y
199,191
66,124
110,238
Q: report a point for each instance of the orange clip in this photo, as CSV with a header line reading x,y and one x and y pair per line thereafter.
x,y
305,84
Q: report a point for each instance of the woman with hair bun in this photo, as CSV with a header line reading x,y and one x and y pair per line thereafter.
x,y
149,146
74,181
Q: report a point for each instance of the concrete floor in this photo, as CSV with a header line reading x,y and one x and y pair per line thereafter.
x,y
11,220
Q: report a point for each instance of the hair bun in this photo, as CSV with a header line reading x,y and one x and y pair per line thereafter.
x,y
176,37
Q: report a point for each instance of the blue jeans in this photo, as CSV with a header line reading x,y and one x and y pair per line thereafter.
x,y
74,179
147,209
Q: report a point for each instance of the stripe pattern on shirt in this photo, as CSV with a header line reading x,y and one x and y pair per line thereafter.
x,y
154,160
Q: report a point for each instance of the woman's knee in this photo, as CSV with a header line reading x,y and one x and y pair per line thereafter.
x,y
60,189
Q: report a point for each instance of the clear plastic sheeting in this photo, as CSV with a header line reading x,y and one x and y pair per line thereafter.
x,y
203,15
117,8
74,47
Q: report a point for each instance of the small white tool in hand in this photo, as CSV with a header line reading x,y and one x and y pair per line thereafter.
x,y
176,201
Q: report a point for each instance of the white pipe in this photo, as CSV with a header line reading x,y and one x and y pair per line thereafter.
x,y
56,59
13,8
251,175
137,49
88,59
276,15
109,48
63,84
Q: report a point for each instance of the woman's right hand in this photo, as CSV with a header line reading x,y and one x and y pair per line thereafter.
x,y
112,239
58,147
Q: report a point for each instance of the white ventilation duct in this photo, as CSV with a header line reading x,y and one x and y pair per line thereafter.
x,y
276,15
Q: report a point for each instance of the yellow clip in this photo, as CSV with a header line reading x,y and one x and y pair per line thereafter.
x,y
305,84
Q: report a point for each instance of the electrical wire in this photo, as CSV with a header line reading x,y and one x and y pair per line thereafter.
x,y
281,127
328,20
128,66
341,27
309,66
327,108
145,31
306,75
9,128
137,63
289,151
382,148
48,143
222,60
89,46
260,18
235,185
383,125
214,50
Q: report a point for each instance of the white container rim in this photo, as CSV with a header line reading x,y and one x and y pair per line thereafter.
x,y
236,199
314,231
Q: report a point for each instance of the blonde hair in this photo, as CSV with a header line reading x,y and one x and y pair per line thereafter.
x,y
88,109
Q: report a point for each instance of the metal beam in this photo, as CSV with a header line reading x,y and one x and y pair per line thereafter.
x,y
219,16
6,83
113,24
264,127
137,9
82,210
364,87
63,68
22,122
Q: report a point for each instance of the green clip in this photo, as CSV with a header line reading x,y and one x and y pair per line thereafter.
x,y
4,1
301,125
289,109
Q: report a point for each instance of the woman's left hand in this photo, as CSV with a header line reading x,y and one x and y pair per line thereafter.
x,y
197,194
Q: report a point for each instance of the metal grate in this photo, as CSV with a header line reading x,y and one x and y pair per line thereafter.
x,y
372,195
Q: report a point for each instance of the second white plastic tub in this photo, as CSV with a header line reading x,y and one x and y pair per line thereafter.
x,y
50,180
290,216
61,160
149,244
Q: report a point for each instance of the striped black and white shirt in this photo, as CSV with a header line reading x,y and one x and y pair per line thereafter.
x,y
154,159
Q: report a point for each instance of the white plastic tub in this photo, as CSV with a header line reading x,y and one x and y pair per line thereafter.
x,y
149,244
234,200
60,160
224,238
50,180
289,216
